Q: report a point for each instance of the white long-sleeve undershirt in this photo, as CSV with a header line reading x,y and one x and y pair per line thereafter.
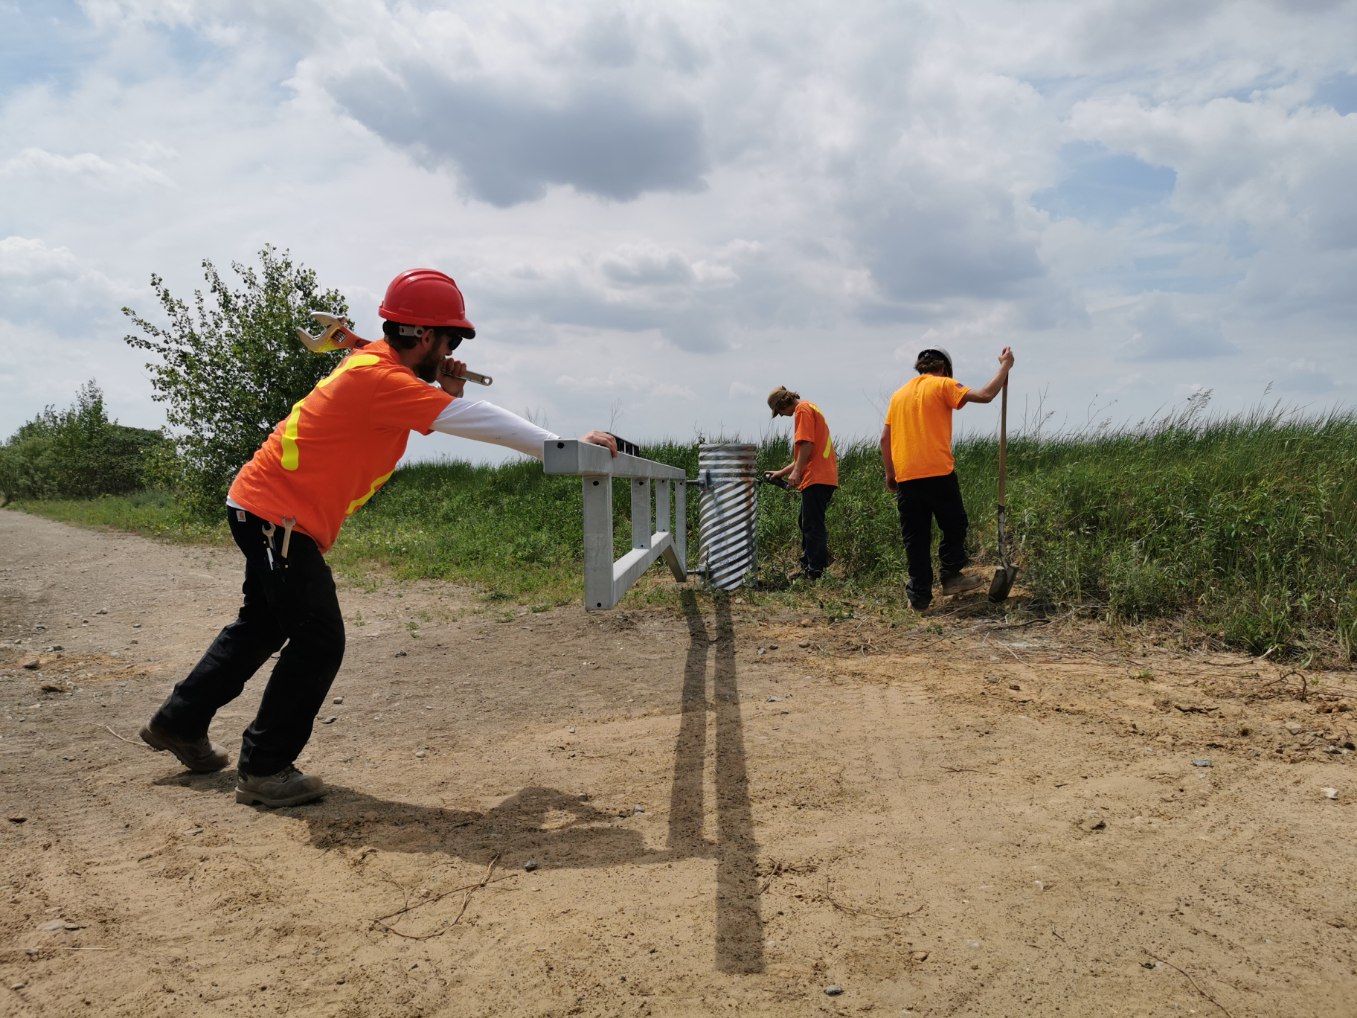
x,y
483,421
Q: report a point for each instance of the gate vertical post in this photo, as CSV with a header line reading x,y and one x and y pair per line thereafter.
x,y
679,527
598,541
640,513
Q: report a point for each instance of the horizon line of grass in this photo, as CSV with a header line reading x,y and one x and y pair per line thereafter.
x,y
1241,531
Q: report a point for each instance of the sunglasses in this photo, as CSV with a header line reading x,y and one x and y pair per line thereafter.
x,y
453,337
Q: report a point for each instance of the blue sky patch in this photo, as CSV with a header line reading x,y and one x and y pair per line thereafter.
x,y
27,55
1101,187
1340,92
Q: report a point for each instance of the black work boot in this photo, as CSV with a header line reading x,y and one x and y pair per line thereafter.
x,y
959,583
198,755
289,787
918,601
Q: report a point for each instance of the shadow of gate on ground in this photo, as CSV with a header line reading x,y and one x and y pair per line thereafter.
x,y
739,924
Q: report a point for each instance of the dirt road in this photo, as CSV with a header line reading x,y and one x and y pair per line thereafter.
x,y
715,810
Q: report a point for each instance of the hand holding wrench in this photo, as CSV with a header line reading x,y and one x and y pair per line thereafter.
x,y
335,334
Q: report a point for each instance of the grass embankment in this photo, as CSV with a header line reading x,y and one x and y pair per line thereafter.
x,y
1241,531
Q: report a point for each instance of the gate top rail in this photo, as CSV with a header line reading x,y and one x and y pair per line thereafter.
x,y
571,456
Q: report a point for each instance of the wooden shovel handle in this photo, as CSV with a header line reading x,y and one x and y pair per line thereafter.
x,y
1003,441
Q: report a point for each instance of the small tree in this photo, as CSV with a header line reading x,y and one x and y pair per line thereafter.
x,y
77,453
231,367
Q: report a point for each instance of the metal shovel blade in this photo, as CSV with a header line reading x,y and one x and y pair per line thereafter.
x,y
1002,582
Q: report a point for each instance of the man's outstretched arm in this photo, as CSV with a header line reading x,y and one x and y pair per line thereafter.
x,y
992,388
483,421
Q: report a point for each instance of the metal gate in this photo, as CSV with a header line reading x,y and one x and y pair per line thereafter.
x,y
726,475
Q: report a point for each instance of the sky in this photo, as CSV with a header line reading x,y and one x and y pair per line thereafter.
x,y
659,212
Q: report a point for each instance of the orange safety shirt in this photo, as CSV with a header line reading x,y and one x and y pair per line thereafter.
x,y
340,443
809,425
920,419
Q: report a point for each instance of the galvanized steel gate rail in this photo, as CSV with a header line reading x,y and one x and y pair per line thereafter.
x,y
658,524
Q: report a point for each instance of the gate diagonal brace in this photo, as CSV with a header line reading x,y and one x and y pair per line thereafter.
x,y
658,515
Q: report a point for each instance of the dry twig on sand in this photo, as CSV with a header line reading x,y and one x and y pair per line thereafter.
x,y
115,735
1304,683
1175,968
469,890
829,897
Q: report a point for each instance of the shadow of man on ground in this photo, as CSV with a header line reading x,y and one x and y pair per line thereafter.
x,y
553,828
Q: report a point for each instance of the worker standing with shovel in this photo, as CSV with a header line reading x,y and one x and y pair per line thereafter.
x,y
916,450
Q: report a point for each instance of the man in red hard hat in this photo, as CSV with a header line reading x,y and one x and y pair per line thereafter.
x,y
317,467
916,449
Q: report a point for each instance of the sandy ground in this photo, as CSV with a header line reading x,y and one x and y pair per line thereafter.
x,y
715,810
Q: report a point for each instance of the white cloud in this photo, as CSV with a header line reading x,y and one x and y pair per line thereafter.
x,y
84,167
1165,328
663,213
52,286
646,265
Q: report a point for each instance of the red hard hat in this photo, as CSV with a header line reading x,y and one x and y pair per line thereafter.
x,y
425,297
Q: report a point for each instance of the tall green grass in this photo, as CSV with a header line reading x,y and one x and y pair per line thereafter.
x,y
512,531
1240,531
1245,529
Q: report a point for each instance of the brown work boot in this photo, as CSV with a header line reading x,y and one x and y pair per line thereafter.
x,y
289,787
198,755
960,583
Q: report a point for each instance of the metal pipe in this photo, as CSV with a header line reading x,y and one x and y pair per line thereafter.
x,y
727,513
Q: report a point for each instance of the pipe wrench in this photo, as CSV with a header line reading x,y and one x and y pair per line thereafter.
x,y
335,334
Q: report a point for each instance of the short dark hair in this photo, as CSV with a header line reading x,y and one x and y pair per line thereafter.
x,y
933,360
404,337
392,332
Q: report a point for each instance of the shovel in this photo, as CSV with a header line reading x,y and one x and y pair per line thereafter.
x,y
1006,572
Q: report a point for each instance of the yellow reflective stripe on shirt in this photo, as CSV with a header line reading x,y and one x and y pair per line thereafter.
x,y
291,455
358,503
829,441
289,439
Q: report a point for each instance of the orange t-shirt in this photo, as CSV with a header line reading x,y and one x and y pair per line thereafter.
x,y
341,443
920,419
809,425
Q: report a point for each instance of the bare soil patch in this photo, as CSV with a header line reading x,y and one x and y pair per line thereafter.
x,y
714,810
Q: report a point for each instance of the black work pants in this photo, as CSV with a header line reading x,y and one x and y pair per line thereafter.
x,y
814,534
290,606
920,501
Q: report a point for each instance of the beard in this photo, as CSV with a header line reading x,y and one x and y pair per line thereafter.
x,y
427,369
